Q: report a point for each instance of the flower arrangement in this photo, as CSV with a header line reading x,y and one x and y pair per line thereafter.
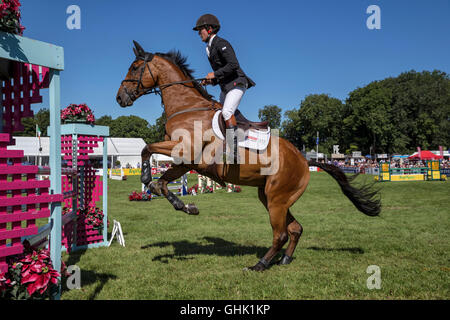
x,y
93,216
233,188
193,190
10,17
208,189
77,113
139,196
30,275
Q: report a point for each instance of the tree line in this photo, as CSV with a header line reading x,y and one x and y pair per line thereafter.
x,y
394,115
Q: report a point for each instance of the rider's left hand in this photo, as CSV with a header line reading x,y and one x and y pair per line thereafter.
x,y
209,78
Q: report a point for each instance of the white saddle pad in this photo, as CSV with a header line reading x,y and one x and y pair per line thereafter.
x,y
254,139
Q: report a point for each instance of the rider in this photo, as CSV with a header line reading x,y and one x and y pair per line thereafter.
x,y
227,73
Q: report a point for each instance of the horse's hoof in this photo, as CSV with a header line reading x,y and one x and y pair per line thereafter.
x,y
285,260
191,209
257,267
154,188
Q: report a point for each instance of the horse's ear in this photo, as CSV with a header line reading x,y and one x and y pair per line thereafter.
x,y
140,50
136,53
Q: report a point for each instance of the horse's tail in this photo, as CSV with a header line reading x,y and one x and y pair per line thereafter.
x,y
363,197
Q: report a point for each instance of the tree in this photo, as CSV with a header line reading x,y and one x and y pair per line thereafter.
x,y
317,113
104,121
158,130
396,115
272,114
368,123
129,127
41,118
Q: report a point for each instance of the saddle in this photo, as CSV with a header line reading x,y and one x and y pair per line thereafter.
x,y
256,134
243,123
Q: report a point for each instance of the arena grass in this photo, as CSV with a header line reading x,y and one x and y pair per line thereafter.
x,y
170,255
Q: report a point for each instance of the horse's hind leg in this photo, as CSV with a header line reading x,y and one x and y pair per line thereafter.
x,y
278,214
295,230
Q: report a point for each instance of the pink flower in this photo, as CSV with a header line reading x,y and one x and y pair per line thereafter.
x,y
3,282
38,277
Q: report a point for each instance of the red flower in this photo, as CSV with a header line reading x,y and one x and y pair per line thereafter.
x,y
38,276
3,282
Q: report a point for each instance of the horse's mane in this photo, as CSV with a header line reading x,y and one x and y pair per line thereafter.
x,y
179,60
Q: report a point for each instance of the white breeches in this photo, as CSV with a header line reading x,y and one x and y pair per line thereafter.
x,y
230,101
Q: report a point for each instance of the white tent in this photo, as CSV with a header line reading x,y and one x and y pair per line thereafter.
x,y
157,159
125,150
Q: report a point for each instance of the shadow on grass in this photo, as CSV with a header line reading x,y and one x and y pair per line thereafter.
x,y
216,246
351,250
88,277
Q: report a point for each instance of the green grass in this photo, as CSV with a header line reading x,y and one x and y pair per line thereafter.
x,y
170,255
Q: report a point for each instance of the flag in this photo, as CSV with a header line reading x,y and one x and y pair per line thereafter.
x,y
38,134
419,152
441,152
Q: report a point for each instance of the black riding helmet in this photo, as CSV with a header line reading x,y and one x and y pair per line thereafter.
x,y
207,20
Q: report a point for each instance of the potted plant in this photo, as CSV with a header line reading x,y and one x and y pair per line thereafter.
x,y
30,276
77,113
9,22
92,216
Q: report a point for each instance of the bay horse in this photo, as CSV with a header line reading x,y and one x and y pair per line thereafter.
x,y
185,102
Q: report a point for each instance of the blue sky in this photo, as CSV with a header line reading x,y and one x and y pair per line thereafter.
x,y
289,48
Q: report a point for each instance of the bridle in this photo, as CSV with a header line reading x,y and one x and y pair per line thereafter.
x,y
157,89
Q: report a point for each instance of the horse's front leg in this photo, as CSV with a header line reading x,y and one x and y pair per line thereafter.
x,y
160,186
164,147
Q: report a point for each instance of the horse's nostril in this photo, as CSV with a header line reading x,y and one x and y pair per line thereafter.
x,y
119,99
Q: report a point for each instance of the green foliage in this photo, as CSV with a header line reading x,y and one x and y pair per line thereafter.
x,y
104,121
272,114
135,127
394,115
318,112
129,127
158,130
41,118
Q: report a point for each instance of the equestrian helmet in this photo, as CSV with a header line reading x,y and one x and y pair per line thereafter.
x,y
207,20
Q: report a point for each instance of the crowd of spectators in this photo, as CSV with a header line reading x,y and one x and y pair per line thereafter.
x,y
364,164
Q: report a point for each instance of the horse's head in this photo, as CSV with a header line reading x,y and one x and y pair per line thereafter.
x,y
141,77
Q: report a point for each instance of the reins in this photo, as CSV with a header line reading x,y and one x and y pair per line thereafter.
x,y
158,89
